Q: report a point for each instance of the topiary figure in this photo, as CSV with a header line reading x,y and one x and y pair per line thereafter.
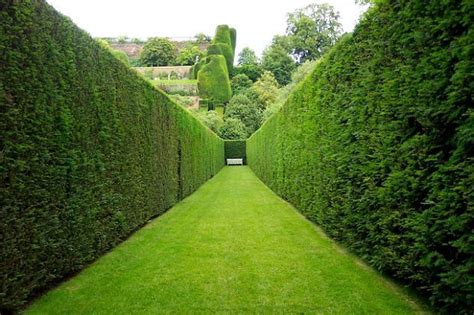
x,y
213,80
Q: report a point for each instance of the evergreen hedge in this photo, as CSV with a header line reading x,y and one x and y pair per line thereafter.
x,y
213,80
377,144
90,151
225,39
235,149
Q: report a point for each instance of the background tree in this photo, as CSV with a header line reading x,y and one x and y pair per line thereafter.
x,y
158,52
312,30
277,61
188,55
248,64
244,109
233,129
265,90
240,83
247,57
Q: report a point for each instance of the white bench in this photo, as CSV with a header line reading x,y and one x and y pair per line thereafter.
x,y
235,161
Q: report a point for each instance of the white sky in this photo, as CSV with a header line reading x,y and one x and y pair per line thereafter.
x,y
256,21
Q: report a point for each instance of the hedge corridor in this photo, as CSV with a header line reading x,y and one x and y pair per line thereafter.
x,y
376,146
90,151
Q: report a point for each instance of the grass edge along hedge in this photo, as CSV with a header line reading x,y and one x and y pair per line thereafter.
x,y
376,146
90,150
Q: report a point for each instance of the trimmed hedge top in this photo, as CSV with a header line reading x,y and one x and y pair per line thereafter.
x,y
90,150
377,146
213,80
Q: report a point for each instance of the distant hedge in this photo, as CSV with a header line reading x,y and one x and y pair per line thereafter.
x,y
89,150
225,39
377,144
233,38
213,80
235,149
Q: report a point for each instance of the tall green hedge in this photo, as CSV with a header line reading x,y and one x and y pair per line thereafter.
x,y
233,39
225,38
235,149
377,144
213,80
89,150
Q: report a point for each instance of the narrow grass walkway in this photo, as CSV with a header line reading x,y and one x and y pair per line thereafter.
x,y
231,247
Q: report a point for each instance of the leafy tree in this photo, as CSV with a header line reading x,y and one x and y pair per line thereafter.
x,y
247,57
188,55
312,30
298,75
240,83
244,109
252,71
211,119
277,61
265,90
233,129
158,52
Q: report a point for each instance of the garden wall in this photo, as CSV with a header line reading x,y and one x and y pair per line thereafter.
x,y
376,146
89,151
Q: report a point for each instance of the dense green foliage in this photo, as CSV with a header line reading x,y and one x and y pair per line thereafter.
x,y
225,40
90,151
158,52
376,146
233,129
235,149
188,55
233,39
240,83
224,50
276,60
246,110
312,30
213,80
210,118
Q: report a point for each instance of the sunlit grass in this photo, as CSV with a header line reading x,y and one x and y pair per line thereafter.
x,y
231,247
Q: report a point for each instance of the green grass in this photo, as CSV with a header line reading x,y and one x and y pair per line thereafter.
x,y
231,247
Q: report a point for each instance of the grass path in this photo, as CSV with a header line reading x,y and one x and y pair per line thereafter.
x,y
231,247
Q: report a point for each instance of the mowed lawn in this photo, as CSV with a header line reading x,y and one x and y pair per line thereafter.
x,y
231,247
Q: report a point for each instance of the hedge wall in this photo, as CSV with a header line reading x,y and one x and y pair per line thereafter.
x,y
376,146
235,149
89,151
213,80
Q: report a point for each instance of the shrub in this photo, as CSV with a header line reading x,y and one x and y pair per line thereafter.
x,y
233,129
376,146
158,52
240,83
211,119
265,89
247,111
213,80
235,149
90,151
